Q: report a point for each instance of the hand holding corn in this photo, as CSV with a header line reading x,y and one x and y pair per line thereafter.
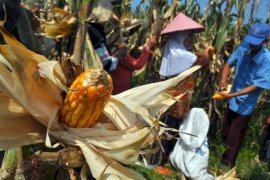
x,y
223,94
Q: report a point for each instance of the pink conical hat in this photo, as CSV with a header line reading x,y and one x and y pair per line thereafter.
x,y
180,23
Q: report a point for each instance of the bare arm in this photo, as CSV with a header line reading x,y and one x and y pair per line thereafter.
x,y
131,63
223,83
246,90
224,75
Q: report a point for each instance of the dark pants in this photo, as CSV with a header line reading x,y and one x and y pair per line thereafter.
x,y
168,145
2,153
233,132
265,149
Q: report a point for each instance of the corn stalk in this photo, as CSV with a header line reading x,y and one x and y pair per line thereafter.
x,y
9,164
81,36
241,7
157,19
12,165
133,114
221,37
254,9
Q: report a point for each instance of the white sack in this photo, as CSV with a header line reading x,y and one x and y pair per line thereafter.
x,y
190,154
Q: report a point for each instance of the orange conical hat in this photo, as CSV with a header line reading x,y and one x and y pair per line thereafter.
x,y
180,23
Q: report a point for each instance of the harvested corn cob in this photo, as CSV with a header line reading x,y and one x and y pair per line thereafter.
x,y
217,96
86,99
120,45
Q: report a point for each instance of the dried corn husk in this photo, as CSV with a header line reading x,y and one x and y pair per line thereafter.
x,y
59,26
25,80
171,10
230,175
69,156
102,10
17,126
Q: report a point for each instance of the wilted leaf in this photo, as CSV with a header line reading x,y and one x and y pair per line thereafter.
x,y
101,147
172,8
24,84
56,30
17,126
59,25
103,10
52,71
91,56
230,175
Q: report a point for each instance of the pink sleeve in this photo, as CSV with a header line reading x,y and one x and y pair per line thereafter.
x,y
131,63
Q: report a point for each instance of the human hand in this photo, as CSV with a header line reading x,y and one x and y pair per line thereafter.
x,y
120,53
152,41
222,95
210,51
35,24
225,95
36,12
202,58
268,120
223,84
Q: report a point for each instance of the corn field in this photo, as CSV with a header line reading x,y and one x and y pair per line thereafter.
x,y
58,43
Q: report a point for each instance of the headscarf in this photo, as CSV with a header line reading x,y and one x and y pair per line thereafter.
x,y
176,58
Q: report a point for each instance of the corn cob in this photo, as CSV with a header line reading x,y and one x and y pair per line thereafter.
x,y
120,45
217,96
86,99
226,90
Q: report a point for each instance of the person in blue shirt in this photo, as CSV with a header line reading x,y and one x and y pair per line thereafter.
x,y
252,75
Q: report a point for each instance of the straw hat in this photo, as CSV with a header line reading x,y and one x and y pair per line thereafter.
x,y
180,23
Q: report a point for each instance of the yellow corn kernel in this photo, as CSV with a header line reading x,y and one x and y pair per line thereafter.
x,y
95,114
76,114
217,96
86,99
86,116
67,117
120,45
66,108
74,104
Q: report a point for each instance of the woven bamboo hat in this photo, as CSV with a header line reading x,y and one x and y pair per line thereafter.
x,y
181,23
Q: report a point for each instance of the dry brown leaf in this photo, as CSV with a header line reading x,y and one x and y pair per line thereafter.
x,y
103,10
172,8
58,25
17,126
25,84
56,30
126,111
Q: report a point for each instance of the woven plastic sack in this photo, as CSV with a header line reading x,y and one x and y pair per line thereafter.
x,y
191,152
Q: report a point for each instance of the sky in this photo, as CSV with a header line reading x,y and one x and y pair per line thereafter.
x,y
260,14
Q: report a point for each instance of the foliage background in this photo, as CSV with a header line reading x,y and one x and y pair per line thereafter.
x,y
226,23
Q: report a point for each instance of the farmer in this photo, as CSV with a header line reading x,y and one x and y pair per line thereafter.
x,y
9,14
127,64
252,71
177,58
